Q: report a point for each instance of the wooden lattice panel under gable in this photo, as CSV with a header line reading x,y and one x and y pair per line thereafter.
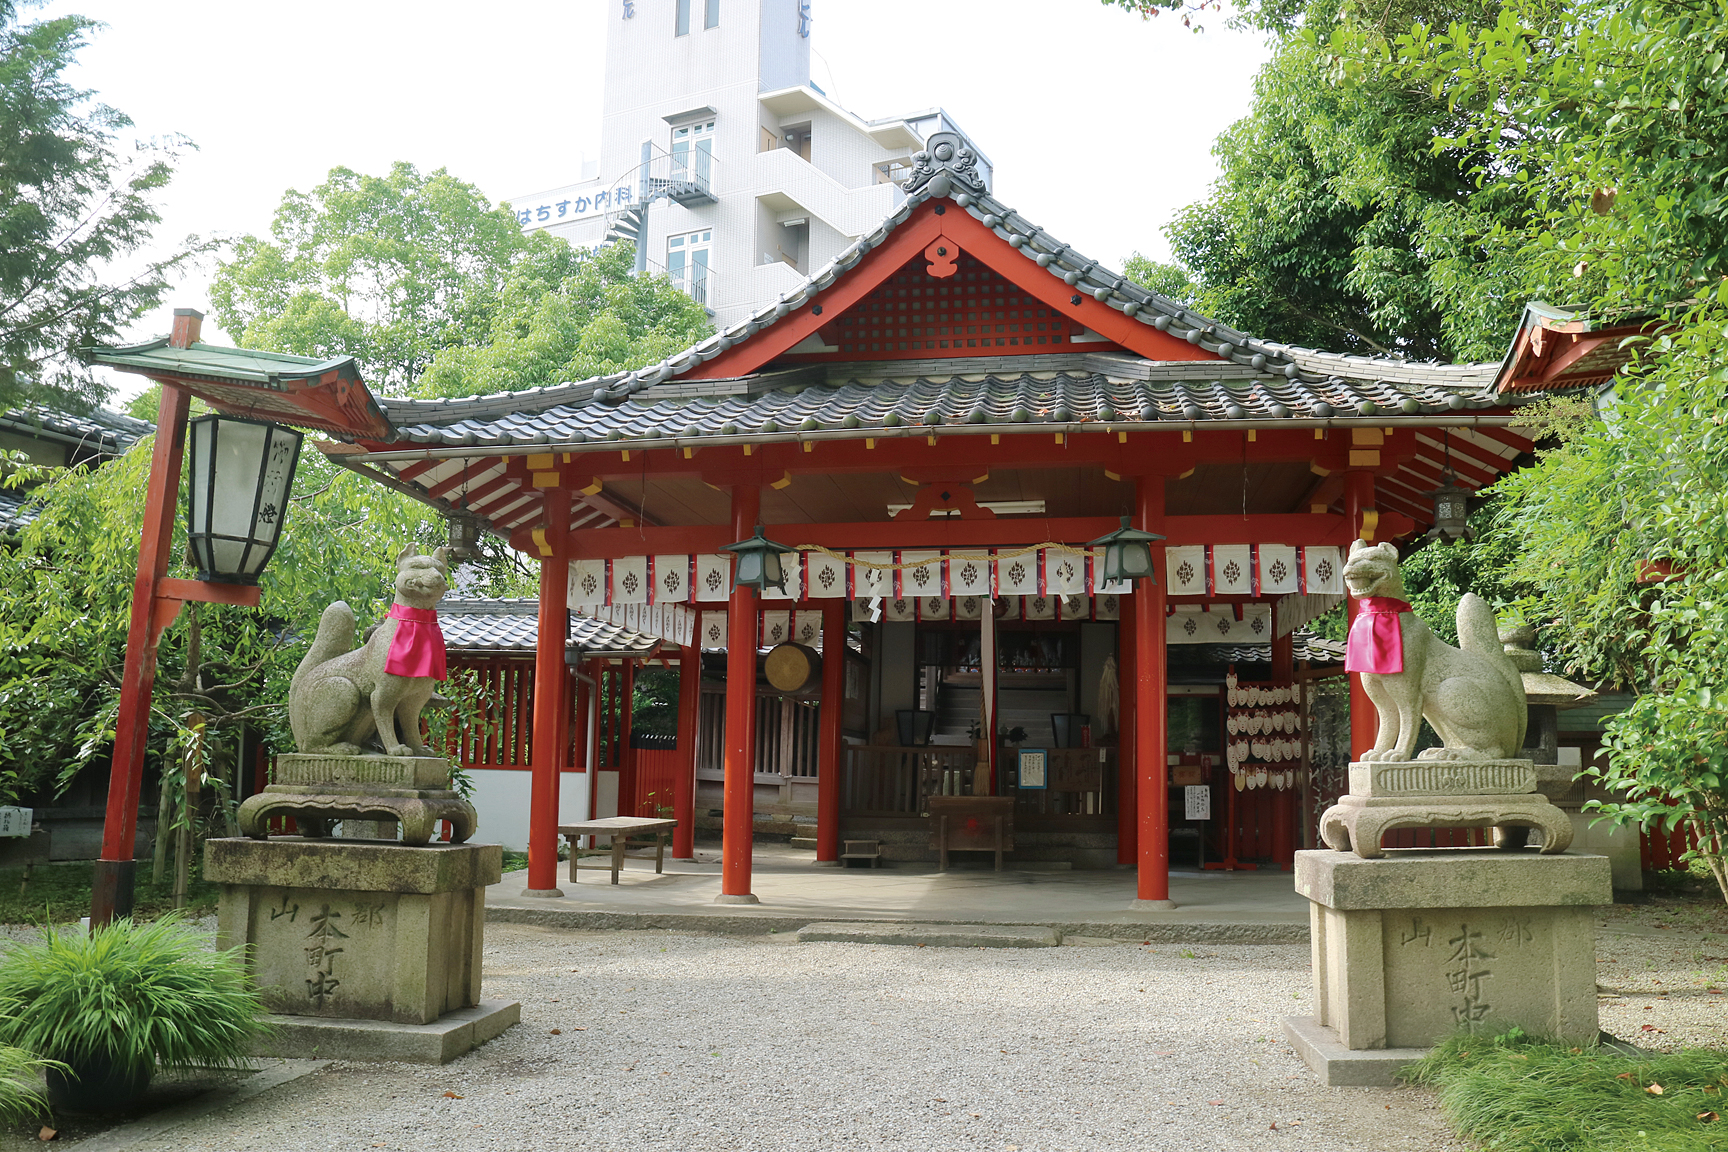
x,y
913,315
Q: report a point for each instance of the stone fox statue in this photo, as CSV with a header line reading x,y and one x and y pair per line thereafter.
x,y
1474,697
342,697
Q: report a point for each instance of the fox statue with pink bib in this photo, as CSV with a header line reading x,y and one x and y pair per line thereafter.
x,y
341,697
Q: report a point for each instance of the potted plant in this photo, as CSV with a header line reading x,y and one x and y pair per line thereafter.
x,y
111,1004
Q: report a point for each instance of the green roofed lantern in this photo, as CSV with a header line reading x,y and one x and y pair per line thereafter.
x,y
758,565
1127,554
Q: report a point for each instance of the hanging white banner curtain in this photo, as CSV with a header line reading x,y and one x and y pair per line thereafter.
x,y
807,628
922,575
673,622
1219,624
776,627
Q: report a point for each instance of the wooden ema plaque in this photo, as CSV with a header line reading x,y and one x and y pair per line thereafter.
x,y
1077,770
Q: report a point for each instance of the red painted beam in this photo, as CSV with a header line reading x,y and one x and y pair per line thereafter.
x,y
1510,439
418,468
468,475
1466,455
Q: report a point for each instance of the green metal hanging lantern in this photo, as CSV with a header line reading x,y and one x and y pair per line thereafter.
x,y
1127,554
758,565
464,536
1451,512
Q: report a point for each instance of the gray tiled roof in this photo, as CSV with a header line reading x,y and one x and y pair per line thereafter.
x,y
1306,646
98,434
906,399
100,431
1256,381
512,627
13,514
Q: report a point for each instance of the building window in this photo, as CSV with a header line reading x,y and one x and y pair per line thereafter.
x,y
710,13
683,27
687,263
693,154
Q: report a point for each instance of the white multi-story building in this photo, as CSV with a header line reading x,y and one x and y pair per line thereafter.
x,y
735,175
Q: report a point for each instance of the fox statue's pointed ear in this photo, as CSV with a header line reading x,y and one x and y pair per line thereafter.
x,y
407,551
1357,546
441,556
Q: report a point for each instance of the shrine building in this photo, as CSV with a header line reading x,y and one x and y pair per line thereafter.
x,y
937,423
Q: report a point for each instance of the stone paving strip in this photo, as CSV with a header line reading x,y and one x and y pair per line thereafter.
x,y
933,935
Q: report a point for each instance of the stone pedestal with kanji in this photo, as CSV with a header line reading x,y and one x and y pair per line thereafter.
x,y
1415,946
364,950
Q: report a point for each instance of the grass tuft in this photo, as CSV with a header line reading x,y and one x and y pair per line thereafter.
x,y
138,994
1514,1094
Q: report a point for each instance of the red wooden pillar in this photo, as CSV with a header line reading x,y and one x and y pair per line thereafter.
x,y
830,752
1285,809
1151,710
740,803
629,803
112,895
549,673
1364,721
689,721
591,738
1127,764
579,736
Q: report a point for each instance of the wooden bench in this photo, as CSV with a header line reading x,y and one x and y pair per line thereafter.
x,y
625,832
870,850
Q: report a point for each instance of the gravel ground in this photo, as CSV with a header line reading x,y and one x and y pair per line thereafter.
x,y
658,1040
654,1040
1662,969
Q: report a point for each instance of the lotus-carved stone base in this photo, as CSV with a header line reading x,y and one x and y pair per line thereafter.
x,y
315,807
318,790
1357,823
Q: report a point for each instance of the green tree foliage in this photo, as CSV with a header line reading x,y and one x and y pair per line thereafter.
x,y
65,602
387,269
568,314
1336,224
74,204
1167,279
1622,535
436,292
1617,115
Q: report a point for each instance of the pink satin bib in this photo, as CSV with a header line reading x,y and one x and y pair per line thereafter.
x,y
417,649
1376,641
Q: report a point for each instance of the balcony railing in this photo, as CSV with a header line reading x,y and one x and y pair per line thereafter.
x,y
894,172
690,176
696,281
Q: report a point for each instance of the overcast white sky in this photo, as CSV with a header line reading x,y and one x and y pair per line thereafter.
x,y
1100,124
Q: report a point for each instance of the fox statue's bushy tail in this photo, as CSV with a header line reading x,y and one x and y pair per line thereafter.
x,y
1478,633
335,638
